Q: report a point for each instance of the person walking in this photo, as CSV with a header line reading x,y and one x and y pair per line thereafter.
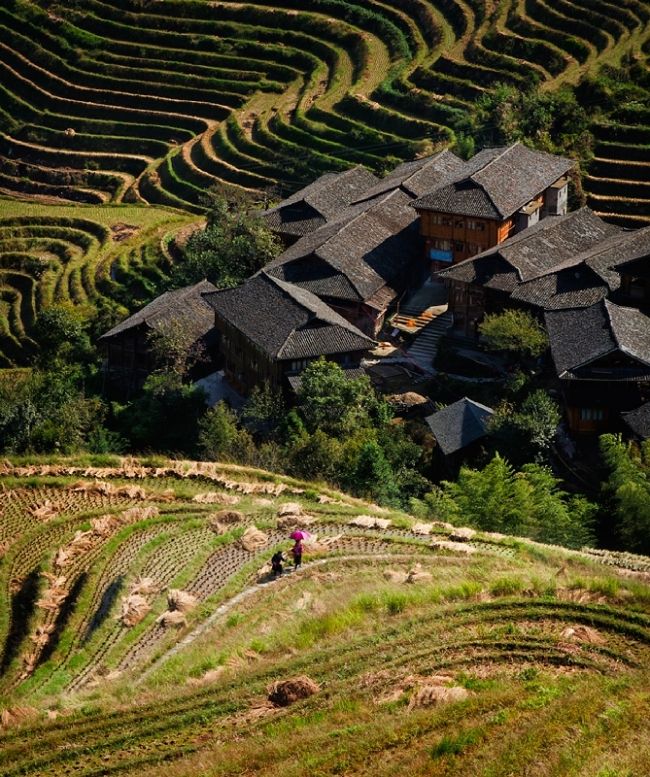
x,y
297,554
276,563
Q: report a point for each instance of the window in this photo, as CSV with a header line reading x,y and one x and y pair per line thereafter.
x,y
459,245
479,226
299,364
460,224
441,245
592,414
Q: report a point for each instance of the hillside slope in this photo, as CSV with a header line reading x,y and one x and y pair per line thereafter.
x,y
105,101
433,651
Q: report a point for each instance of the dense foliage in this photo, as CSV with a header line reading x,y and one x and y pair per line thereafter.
x,y
234,245
627,491
527,503
516,331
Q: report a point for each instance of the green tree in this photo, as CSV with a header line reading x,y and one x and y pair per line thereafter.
x,y
526,434
264,412
515,331
164,417
175,347
234,245
62,334
526,503
330,401
47,411
627,491
373,477
221,439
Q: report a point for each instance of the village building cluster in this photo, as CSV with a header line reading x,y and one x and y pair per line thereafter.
x,y
493,232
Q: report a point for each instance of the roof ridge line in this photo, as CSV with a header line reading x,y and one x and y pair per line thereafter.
x,y
494,159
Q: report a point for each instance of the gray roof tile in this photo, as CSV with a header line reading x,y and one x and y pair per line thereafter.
x,y
580,336
638,421
369,247
553,264
186,304
417,177
460,424
319,202
496,183
285,321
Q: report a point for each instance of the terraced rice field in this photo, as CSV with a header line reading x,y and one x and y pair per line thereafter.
x,y
433,655
78,255
108,101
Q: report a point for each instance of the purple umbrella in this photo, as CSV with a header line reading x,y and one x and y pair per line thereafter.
x,y
300,535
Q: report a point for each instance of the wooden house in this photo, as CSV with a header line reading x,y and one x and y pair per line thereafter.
x,y
602,358
270,330
359,263
129,359
559,262
458,430
495,194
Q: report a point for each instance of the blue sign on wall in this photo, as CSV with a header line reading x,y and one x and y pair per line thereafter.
x,y
440,256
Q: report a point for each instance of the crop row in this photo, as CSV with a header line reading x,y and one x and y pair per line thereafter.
x,y
170,98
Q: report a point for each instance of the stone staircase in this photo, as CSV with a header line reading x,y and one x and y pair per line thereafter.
x,y
421,307
424,348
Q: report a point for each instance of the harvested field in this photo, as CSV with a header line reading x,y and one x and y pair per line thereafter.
x,y
391,643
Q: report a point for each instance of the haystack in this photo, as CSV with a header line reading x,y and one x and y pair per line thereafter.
x,y
132,492
428,695
253,539
457,547
13,715
416,575
228,517
289,508
145,586
134,608
393,576
172,618
285,692
460,534
363,522
180,601
215,498
44,512
582,633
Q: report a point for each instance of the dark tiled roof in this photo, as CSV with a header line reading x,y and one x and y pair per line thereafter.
x,y
496,182
580,336
369,246
569,288
319,202
638,421
457,426
523,263
417,177
285,321
185,305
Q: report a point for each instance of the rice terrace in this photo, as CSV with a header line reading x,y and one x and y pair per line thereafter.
x,y
425,649
142,630
107,103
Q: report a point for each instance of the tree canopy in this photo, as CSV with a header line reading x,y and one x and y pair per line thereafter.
x,y
527,503
514,330
234,245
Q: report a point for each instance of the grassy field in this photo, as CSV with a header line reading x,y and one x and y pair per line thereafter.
x,y
433,652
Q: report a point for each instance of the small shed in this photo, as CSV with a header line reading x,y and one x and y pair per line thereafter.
x,y
458,427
